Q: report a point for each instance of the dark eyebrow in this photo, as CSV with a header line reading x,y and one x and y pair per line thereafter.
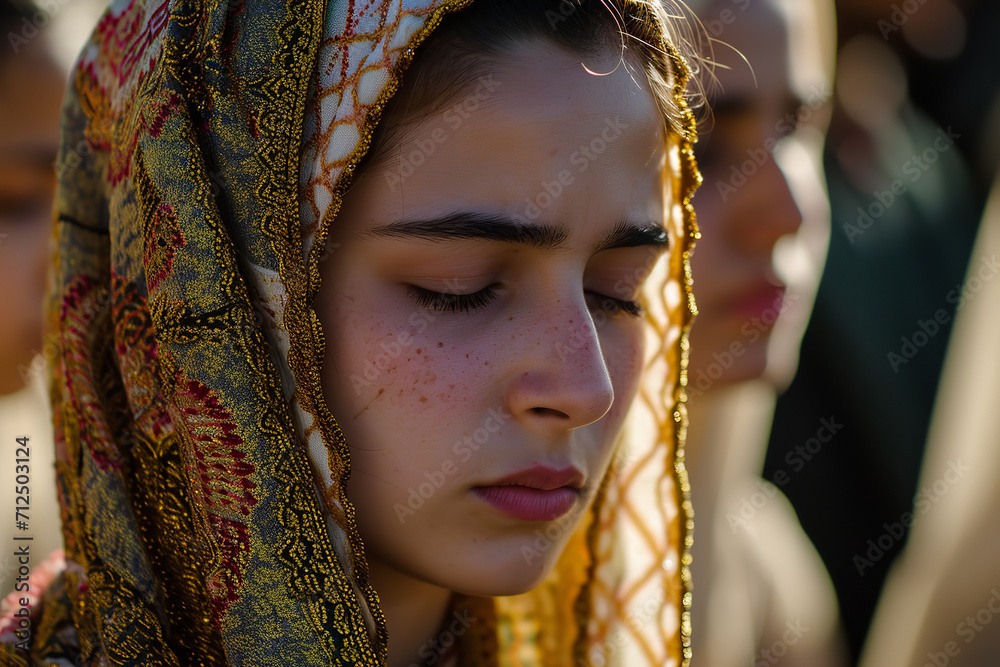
x,y
476,226
490,227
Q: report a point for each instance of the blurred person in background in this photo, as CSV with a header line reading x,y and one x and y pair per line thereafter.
x,y
905,206
760,592
31,89
941,602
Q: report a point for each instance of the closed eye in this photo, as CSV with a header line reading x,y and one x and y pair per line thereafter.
x,y
613,306
446,302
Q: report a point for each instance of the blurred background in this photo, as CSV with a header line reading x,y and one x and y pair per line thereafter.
x,y
883,382
858,524
910,159
38,44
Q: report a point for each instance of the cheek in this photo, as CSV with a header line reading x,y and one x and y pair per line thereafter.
x,y
402,366
624,350
391,377
716,257
405,426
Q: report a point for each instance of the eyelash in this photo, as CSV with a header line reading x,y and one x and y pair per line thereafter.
x,y
454,303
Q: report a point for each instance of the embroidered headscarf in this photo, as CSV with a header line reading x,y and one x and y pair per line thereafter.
x,y
206,148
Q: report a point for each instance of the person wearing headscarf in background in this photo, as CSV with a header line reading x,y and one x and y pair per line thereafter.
x,y
31,89
761,593
905,208
941,601
353,304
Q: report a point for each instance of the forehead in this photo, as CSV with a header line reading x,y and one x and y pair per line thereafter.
x,y
545,73
557,95
537,122
771,47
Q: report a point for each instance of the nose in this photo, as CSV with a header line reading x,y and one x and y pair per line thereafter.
x,y
769,210
560,379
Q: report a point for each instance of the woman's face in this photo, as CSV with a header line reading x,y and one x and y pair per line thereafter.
x,y
762,206
482,344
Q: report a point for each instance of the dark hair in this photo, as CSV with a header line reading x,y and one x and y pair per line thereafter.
x,y
473,38
13,13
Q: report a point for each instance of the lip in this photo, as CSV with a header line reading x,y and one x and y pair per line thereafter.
x,y
534,494
542,478
759,299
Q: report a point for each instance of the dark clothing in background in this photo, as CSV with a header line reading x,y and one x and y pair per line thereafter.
x,y
890,287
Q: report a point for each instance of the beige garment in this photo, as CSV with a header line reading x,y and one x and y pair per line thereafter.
x,y
761,594
27,413
941,602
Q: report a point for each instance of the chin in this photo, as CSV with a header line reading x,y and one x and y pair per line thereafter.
x,y
517,569
781,368
501,586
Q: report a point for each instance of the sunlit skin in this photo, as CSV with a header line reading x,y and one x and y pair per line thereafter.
x,y
498,367
31,89
750,200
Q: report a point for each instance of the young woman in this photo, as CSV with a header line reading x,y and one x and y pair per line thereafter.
x,y
765,221
355,300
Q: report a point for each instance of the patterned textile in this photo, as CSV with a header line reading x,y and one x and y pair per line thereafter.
x,y
205,150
